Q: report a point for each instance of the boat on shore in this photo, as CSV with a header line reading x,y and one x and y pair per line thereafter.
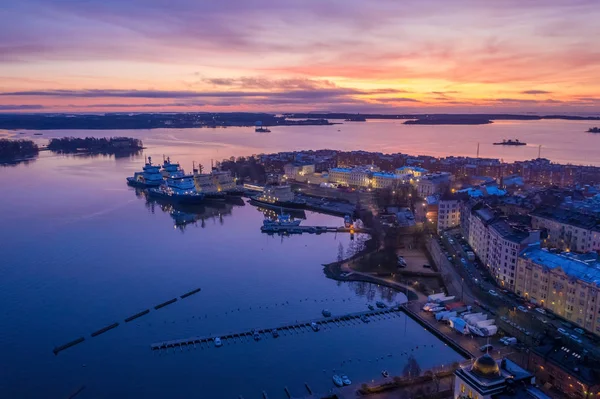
x,y
326,313
150,176
278,196
346,380
511,142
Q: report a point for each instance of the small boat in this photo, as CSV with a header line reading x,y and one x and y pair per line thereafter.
x,y
275,333
315,327
385,373
380,305
364,319
256,335
218,342
511,142
371,307
346,380
337,380
326,313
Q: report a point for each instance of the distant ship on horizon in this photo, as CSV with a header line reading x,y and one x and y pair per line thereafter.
x,y
511,142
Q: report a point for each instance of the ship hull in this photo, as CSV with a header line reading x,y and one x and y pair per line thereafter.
x,y
177,198
278,204
136,183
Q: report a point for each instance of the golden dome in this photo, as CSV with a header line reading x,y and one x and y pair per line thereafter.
x,y
486,366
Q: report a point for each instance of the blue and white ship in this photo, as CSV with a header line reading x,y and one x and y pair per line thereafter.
x,y
283,220
181,190
150,176
171,170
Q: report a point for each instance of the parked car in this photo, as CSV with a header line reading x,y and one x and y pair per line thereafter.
x,y
579,331
523,309
493,293
487,348
540,310
427,266
509,341
575,338
562,331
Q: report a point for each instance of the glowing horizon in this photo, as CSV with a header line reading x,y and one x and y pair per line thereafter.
x,y
300,55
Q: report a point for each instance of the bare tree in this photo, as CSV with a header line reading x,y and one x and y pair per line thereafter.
x,y
340,255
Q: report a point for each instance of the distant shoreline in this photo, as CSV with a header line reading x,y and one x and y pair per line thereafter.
x,y
122,121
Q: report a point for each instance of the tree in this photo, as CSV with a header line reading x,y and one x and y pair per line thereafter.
x,y
340,256
412,368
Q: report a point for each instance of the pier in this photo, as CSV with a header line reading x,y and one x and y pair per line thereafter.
x,y
293,328
311,229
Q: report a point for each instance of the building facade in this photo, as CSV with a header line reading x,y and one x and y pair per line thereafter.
x,y
568,284
448,214
433,183
565,369
298,171
568,230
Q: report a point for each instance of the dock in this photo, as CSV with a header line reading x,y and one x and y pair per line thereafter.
x,y
286,329
311,229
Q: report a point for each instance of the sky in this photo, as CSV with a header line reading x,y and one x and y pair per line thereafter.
x,y
384,56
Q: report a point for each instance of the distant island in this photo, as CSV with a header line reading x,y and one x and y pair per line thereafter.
x,y
594,130
123,121
449,120
103,145
17,150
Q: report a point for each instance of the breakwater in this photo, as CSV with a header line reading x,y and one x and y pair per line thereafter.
x,y
60,348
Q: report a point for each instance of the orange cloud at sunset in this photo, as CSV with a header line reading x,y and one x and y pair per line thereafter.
x,y
379,56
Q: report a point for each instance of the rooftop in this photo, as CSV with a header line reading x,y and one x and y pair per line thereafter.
x,y
574,362
569,217
582,267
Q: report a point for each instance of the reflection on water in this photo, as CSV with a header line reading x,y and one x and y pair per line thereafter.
x,y
191,214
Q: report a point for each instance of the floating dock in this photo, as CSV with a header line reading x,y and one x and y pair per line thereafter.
x,y
294,328
311,229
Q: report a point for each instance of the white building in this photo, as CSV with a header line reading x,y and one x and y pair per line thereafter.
x,y
498,244
433,183
297,171
448,214
359,176
487,378
416,171
385,180
504,245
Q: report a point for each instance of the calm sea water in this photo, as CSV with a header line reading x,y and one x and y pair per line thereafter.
x,y
80,250
560,140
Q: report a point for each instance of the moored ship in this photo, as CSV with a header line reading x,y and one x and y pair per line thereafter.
x,y
204,184
181,190
278,196
171,169
150,176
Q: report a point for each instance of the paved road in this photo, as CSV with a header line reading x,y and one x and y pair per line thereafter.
x,y
476,283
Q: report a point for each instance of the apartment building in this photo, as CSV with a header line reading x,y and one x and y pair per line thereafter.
x,y
433,183
448,213
497,243
568,284
568,230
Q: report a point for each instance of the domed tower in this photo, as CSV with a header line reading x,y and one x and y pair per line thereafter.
x,y
486,367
